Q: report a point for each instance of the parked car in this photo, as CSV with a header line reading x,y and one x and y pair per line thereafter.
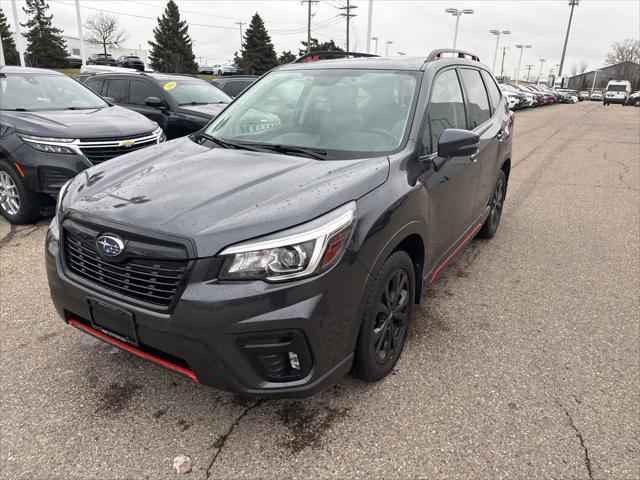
x,y
74,61
218,69
273,261
233,86
596,95
541,97
584,95
617,91
178,103
101,59
130,61
525,99
54,127
633,99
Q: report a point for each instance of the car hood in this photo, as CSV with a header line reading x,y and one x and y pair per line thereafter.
x,y
210,110
95,123
215,196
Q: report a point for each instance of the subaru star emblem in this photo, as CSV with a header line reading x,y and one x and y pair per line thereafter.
x,y
110,245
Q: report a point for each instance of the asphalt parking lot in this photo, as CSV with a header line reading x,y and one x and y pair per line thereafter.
x,y
522,362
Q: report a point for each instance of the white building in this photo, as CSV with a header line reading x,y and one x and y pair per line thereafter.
x,y
73,46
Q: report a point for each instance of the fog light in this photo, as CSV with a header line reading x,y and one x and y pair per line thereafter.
x,y
293,360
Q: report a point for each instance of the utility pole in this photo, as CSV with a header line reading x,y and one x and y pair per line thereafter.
x,y
369,19
504,49
375,39
542,60
240,24
80,35
573,4
309,2
16,22
529,67
348,16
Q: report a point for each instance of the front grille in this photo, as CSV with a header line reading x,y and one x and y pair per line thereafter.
x,y
151,281
103,153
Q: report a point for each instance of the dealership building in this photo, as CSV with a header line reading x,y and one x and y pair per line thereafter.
x,y
621,71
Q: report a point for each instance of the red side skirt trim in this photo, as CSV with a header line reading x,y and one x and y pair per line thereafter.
x,y
134,350
453,254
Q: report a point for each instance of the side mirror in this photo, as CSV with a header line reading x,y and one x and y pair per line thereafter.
x,y
454,142
154,102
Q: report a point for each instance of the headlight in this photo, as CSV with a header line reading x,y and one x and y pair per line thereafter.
x,y
305,250
160,134
49,144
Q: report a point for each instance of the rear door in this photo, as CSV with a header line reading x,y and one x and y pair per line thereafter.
x,y
451,189
490,130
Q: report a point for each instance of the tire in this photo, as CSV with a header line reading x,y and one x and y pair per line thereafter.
x,y
220,72
17,204
496,203
383,333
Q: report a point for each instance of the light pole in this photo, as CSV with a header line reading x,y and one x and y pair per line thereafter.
x,y
386,51
497,33
375,39
521,47
529,67
573,4
18,34
542,60
458,13
595,75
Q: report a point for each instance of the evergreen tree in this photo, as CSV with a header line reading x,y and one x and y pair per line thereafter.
x,y
11,56
257,55
286,57
172,50
329,46
45,46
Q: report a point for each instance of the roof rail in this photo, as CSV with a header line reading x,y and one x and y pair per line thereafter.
x,y
330,54
438,53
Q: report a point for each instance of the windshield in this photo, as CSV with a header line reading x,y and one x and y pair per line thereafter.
x,y
38,91
616,88
191,91
352,113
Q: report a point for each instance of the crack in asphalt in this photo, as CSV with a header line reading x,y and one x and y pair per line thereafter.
x,y
587,458
8,236
220,442
625,169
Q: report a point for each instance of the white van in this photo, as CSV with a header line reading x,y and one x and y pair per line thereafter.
x,y
617,91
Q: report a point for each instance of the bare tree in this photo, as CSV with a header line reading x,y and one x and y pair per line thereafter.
x,y
625,55
583,67
574,70
103,29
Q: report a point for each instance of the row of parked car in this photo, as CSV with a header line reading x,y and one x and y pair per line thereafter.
x,y
525,96
125,61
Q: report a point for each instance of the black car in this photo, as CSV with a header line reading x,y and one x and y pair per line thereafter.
x,y
178,103
74,62
633,99
233,86
272,260
130,61
51,128
101,59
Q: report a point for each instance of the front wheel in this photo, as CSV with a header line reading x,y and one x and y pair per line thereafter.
x,y
496,203
386,317
17,204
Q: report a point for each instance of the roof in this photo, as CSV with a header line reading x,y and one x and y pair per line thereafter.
x,y
13,69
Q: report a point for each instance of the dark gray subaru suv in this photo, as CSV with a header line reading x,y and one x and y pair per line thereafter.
x,y
287,242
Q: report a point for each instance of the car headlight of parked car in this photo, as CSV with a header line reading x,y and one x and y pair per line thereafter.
x,y
49,144
61,194
160,134
308,249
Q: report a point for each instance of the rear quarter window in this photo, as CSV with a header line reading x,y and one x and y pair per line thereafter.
x,y
494,92
478,101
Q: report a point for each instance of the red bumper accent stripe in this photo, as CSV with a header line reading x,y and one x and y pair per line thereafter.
x,y
453,254
134,350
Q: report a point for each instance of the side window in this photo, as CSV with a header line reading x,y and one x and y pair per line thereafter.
x,y
233,89
117,89
446,109
479,111
95,84
139,90
494,92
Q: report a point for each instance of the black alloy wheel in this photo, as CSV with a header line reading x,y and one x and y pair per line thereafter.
x,y
496,204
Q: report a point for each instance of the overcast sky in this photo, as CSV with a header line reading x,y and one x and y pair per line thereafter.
x,y
414,26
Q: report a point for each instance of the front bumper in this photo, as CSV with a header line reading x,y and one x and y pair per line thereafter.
x,y
207,333
615,99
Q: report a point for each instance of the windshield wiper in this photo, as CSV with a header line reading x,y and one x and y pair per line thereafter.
x,y
316,153
15,109
229,144
192,103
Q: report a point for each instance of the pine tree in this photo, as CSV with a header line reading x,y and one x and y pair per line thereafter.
x,y
10,52
45,46
286,57
172,50
257,55
329,46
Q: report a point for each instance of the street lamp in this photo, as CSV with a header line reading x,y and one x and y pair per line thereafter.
x,y
458,13
497,33
386,51
542,60
573,4
375,39
521,47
